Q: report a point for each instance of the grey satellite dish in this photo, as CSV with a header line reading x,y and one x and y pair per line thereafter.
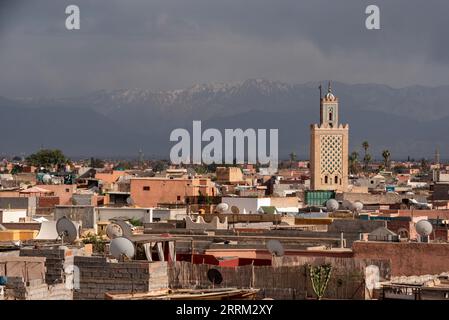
x,y
214,276
332,205
275,248
121,247
130,201
222,207
67,230
126,230
357,206
113,231
424,228
235,210
46,179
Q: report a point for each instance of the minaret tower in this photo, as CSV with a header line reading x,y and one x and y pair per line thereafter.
x,y
329,147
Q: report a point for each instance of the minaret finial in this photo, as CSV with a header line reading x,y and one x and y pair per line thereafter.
x,y
329,89
320,87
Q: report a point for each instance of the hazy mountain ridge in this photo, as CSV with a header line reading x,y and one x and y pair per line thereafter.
x,y
409,121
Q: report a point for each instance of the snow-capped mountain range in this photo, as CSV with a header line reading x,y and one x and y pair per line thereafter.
x,y
408,121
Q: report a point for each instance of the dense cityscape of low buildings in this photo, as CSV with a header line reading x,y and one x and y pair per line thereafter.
x,y
369,229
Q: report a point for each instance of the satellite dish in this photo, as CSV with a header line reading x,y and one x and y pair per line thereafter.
x,y
130,201
235,210
222,207
275,248
121,247
127,232
67,229
357,206
347,204
332,205
424,228
214,276
113,230
46,178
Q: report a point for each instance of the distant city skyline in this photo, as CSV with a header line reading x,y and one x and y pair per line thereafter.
x,y
165,45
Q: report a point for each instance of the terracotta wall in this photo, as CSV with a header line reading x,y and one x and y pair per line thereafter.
x,y
407,258
167,190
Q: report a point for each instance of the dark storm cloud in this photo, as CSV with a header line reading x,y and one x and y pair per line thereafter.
x,y
176,43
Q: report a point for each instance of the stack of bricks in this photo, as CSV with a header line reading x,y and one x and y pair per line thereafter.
x,y
57,261
98,276
54,262
17,289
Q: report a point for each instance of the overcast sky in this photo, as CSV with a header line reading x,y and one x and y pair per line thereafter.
x,y
170,44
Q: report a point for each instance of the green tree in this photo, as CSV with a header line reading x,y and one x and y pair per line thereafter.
x,y
353,162
365,146
293,157
47,158
366,161
386,155
424,165
96,163
159,166
366,156
16,169
320,276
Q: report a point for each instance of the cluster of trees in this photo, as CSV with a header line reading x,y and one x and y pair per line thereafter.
x,y
354,165
47,158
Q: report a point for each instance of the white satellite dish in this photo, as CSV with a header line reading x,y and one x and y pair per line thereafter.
x,y
424,228
357,206
121,247
125,229
332,205
113,231
46,178
67,230
275,248
222,207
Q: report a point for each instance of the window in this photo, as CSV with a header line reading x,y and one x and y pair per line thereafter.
x,y
146,188
330,116
67,190
178,198
326,180
336,179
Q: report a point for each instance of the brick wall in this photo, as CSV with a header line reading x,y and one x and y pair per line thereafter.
x,y
18,289
98,276
47,202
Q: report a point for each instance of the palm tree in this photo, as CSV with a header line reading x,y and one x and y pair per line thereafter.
x,y
353,162
366,157
365,146
386,155
366,160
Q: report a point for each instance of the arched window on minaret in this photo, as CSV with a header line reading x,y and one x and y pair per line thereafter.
x,y
330,116
326,180
336,179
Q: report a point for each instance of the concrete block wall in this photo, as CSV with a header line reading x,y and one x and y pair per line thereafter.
x,y
54,262
99,276
58,261
18,289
